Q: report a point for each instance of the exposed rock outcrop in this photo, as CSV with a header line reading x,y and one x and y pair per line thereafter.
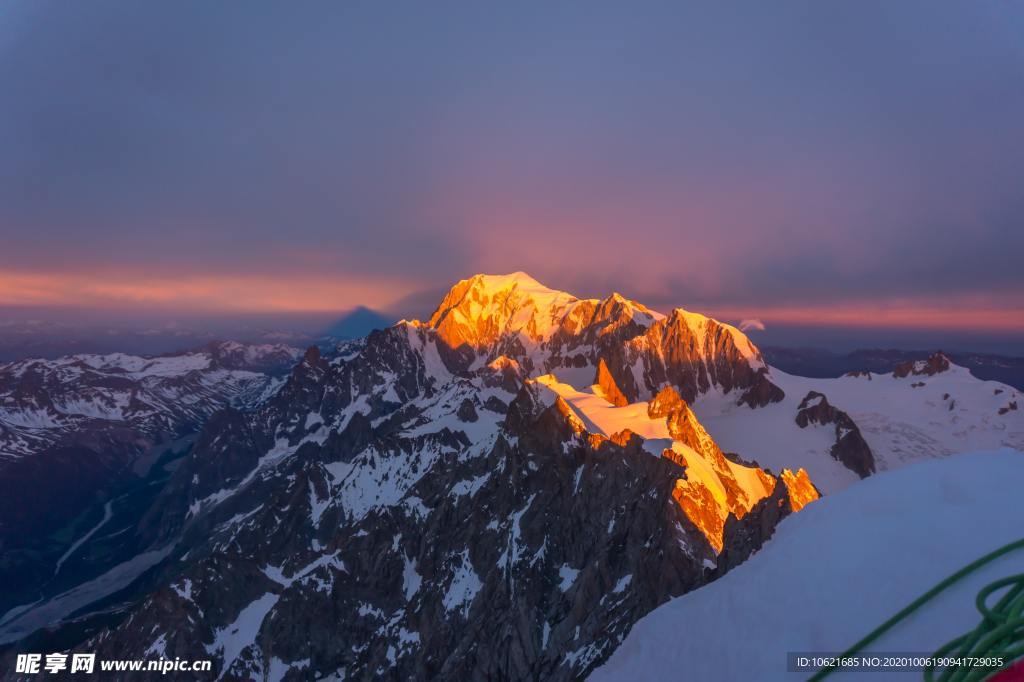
x,y
801,491
609,389
936,363
697,495
850,448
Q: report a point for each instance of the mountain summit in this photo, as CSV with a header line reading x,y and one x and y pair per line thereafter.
x,y
480,310
545,330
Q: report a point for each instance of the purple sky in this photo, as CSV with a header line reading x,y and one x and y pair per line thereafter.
x,y
847,163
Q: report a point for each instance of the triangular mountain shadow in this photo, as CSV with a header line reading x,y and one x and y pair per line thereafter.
x,y
358,322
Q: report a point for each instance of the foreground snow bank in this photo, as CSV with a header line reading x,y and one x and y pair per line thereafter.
x,y
837,570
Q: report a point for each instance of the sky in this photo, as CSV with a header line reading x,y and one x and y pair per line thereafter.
x,y
848,165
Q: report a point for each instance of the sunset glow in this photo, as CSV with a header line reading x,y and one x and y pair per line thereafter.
x,y
325,294
209,293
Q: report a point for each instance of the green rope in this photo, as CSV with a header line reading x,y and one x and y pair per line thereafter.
x,y
1000,633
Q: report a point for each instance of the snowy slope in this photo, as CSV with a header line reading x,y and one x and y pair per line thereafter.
x,y
600,416
902,419
837,570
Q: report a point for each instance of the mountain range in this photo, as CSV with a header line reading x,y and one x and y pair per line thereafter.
x,y
818,362
501,491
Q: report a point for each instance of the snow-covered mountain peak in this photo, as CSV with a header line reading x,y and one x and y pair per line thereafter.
x,y
550,331
479,310
618,307
518,279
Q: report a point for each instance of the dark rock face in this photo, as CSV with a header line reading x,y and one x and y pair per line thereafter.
x,y
761,392
745,536
850,447
467,412
938,362
495,404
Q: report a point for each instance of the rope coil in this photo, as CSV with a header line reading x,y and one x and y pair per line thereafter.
x,y
1000,634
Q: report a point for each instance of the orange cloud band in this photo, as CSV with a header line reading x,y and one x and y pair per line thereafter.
x,y
201,293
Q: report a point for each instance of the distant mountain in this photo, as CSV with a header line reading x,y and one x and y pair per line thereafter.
x,y
92,398
51,339
75,429
358,323
499,492
818,362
